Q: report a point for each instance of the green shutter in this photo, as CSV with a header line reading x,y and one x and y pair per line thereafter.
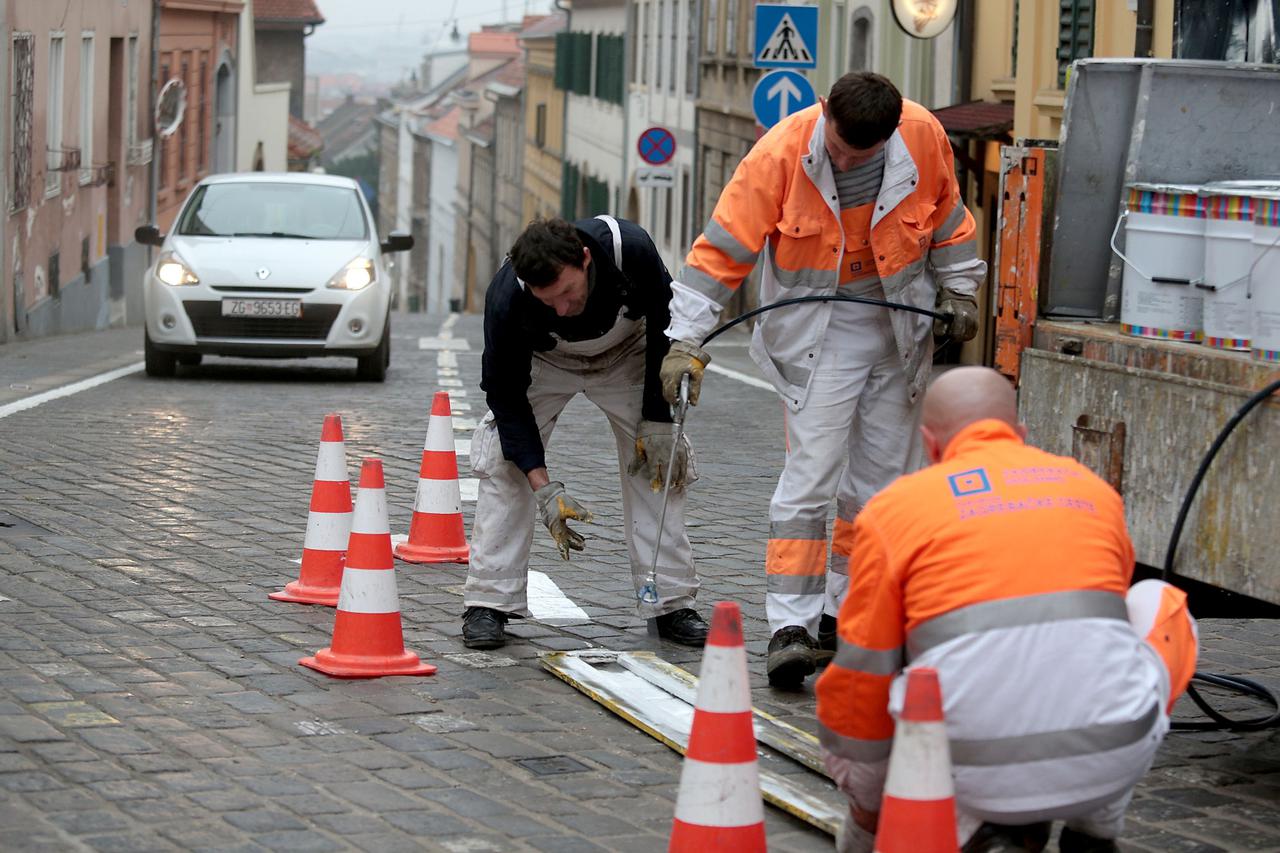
x,y
1075,34
564,59
569,191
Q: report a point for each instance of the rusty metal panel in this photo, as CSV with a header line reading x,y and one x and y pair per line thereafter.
x,y
1026,178
1169,422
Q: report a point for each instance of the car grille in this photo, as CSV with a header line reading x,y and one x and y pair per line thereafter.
x,y
206,318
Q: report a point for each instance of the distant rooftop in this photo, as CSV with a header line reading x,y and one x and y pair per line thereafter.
x,y
293,11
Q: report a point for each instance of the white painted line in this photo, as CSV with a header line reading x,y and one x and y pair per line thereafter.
x,y
67,390
311,728
450,384
398,539
447,358
454,390
547,602
447,371
444,343
462,446
470,489
753,381
459,406
3,598
464,424
448,324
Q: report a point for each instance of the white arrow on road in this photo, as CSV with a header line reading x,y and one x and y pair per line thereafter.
x,y
784,90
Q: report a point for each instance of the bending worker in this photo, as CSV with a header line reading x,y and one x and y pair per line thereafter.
x,y
856,195
578,308
1007,570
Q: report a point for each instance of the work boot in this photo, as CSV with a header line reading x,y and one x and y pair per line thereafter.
x,y
1075,841
826,640
683,626
483,628
999,838
791,653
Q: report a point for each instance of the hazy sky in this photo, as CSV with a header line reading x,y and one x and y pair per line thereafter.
x,y
385,38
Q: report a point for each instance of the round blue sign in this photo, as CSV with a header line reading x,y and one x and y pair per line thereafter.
x,y
656,146
779,94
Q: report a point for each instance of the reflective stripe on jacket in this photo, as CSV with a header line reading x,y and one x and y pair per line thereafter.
x,y
1004,568
782,201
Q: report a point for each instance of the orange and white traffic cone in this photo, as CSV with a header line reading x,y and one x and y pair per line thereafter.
x,y
328,524
918,812
367,637
436,534
719,805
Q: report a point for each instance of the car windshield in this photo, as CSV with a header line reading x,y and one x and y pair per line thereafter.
x,y
282,210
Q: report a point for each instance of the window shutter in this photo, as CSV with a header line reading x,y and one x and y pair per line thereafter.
x,y
564,59
1075,34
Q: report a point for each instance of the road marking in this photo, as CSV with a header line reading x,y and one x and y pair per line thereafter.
x,y
442,343
454,392
67,390
464,424
446,358
753,381
457,406
470,488
548,604
446,371
462,446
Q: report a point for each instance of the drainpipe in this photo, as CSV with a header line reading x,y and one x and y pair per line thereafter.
x,y
1145,31
627,71
151,106
564,111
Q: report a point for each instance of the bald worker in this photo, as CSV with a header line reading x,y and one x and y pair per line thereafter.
x,y
1007,570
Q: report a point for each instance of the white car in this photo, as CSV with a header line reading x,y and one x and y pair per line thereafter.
x,y
275,265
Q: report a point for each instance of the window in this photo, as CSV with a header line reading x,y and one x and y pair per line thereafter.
x,y
573,62
639,44
673,63
731,28
597,197
569,191
691,58
540,126
712,42
838,46
610,73
661,67
21,109
53,118
686,193
86,107
202,142
1075,34
131,103
668,205
260,207
860,40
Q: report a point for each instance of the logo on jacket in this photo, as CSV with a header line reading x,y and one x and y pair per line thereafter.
x,y
973,482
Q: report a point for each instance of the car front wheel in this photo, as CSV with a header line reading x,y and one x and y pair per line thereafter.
x,y
158,364
373,367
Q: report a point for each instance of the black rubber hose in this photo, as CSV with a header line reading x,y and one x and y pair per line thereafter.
x,y
796,300
1229,682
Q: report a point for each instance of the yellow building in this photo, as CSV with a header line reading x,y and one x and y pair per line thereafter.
x,y
543,120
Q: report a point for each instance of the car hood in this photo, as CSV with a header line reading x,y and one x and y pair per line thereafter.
x,y
289,263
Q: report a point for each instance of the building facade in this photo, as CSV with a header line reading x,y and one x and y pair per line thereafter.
x,y
76,146
280,30
262,109
544,125
197,47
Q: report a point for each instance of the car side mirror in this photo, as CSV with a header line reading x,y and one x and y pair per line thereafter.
x,y
148,235
398,241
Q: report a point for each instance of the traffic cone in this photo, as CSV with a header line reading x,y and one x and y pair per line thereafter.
x,y
367,636
719,805
435,532
918,813
328,524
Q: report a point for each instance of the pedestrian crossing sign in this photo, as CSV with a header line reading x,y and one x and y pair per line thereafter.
x,y
786,36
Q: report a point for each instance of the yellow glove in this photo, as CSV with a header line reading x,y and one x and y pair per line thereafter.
x,y
653,453
682,358
556,507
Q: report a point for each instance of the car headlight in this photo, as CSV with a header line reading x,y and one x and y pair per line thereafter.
x,y
356,275
173,271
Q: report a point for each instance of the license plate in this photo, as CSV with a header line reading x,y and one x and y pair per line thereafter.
x,y
283,308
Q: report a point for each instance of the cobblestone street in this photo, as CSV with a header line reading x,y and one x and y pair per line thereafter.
x,y
150,696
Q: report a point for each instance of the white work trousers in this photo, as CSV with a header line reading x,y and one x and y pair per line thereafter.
x,y
858,431
505,508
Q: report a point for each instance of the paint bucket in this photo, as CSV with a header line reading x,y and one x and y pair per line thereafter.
x,y
1228,257
1163,259
1264,284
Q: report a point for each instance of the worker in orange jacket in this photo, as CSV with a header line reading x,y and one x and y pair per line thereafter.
x,y
1007,570
857,196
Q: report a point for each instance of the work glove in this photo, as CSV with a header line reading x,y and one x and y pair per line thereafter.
x,y
682,358
961,311
556,507
653,454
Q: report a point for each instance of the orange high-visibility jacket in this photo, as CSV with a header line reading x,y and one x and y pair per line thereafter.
x,y
782,200
1005,568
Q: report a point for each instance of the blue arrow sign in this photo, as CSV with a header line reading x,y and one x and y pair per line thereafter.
x,y
786,36
779,94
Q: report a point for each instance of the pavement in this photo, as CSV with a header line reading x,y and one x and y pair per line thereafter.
x,y
150,697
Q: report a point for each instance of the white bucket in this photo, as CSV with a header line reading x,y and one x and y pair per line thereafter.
x,y
1164,258
1264,284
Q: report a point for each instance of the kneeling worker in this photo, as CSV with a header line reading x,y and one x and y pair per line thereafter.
x,y
578,308
1007,570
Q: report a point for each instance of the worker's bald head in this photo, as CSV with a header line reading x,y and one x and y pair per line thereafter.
x,y
962,396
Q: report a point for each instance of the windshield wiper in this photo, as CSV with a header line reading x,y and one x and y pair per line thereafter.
x,y
284,235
